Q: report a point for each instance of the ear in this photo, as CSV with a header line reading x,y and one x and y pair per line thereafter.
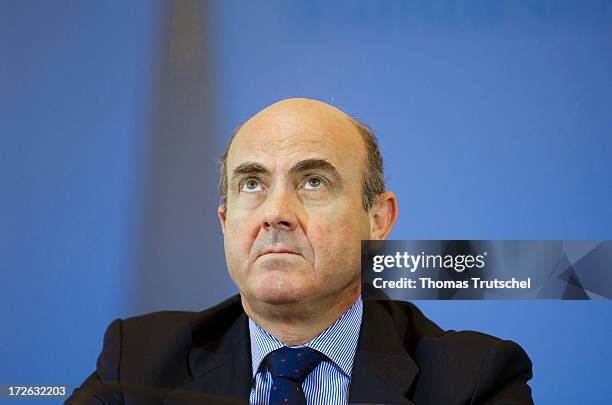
x,y
383,215
221,214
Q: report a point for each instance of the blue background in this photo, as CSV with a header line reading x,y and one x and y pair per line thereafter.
x,y
494,120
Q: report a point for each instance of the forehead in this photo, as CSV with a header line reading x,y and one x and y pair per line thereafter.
x,y
295,130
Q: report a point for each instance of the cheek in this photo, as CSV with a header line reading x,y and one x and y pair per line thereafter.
x,y
240,232
337,242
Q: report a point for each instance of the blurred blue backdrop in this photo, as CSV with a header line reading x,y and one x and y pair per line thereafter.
x,y
493,117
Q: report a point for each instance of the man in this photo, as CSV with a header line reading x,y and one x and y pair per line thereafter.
x,y
301,186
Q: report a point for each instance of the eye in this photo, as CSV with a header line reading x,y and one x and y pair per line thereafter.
x,y
314,183
251,185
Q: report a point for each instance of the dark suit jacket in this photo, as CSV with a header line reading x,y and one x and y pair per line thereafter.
x,y
401,358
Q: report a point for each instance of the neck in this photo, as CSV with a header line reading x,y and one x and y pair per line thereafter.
x,y
297,323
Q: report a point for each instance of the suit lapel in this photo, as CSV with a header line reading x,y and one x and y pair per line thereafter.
x,y
220,368
383,371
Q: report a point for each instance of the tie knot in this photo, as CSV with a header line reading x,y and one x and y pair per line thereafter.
x,y
295,364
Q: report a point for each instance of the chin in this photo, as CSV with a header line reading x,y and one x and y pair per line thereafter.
x,y
282,291
280,300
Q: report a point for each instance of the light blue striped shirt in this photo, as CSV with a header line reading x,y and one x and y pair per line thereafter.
x,y
329,382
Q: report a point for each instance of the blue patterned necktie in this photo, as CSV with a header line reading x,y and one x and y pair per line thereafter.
x,y
289,368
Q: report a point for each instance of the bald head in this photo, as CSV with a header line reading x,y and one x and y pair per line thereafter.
x,y
302,113
317,124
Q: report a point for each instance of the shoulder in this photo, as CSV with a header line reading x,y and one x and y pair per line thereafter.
x,y
468,353
470,364
150,350
170,325
424,333
474,366
143,342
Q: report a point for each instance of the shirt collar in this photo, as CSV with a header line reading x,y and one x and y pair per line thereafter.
x,y
338,342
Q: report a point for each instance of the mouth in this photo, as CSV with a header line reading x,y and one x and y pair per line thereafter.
x,y
279,251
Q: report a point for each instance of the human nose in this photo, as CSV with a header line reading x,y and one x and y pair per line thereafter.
x,y
279,211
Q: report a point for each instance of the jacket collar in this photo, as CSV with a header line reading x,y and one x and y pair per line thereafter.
x,y
220,360
383,370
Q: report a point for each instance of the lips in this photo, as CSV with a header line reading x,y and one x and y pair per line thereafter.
x,y
277,250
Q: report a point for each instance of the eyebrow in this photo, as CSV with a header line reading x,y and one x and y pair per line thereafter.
x,y
299,167
249,168
315,164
